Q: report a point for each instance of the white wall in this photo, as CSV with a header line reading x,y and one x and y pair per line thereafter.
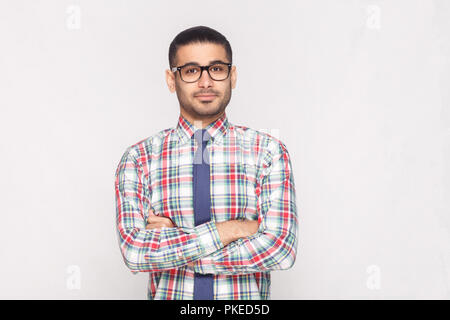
x,y
358,91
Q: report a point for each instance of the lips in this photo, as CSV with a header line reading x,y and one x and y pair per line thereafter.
x,y
206,96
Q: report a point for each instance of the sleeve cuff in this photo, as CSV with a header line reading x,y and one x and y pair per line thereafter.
x,y
208,237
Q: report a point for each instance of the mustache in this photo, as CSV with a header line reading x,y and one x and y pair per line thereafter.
x,y
206,93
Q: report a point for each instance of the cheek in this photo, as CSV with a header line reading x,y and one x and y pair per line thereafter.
x,y
226,91
184,94
223,90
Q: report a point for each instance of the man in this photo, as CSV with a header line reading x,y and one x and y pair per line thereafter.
x,y
207,208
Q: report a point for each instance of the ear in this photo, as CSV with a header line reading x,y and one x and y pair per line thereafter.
x,y
170,79
233,75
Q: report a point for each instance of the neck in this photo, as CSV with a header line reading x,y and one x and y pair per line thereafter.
x,y
202,122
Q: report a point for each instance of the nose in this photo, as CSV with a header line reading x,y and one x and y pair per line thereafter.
x,y
205,81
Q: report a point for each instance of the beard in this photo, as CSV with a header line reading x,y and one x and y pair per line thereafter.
x,y
203,109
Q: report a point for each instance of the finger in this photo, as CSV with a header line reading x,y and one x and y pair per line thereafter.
x,y
151,213
150,226
153,219
157,219
153,226
168,222
160,224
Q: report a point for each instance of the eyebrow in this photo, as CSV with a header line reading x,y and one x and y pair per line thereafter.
x,y
193,63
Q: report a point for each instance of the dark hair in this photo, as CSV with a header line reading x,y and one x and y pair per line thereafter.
x,y
200,34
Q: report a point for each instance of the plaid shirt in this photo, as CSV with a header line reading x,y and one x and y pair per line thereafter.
x,y
251,178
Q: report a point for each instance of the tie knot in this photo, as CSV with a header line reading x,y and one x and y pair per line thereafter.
x,y
201,136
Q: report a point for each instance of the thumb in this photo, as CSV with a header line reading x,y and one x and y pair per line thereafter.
x,y
151,212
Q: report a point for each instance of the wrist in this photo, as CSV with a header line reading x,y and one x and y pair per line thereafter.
x,y
240,229
229,231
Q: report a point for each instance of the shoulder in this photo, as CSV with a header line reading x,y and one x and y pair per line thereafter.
x,y
142,150
269,143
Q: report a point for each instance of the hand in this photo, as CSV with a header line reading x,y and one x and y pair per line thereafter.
x,y
157,222
232,230
249,227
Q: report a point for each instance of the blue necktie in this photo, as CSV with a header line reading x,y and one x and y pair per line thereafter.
x,y
203,283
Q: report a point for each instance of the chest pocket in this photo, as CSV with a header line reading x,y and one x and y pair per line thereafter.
x,y
233,191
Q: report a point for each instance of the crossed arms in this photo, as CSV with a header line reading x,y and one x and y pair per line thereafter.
x,y
229,247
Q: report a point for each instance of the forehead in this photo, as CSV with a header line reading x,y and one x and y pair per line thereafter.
x,y
201,53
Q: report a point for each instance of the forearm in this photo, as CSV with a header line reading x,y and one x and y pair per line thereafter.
x,y
167,248
257,253
232,230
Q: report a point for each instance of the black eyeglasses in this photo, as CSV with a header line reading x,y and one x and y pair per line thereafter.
x,y
191,73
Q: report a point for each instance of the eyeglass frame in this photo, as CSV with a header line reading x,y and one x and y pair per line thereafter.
x,y
175,69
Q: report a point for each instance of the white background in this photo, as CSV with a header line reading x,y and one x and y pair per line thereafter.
x,y
358,91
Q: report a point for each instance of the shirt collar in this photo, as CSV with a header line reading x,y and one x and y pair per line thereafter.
x,y
216,129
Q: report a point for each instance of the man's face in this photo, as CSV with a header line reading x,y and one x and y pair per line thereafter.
x,y
192,106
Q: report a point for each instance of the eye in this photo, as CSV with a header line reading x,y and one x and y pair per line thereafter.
x,y
191,70
216,68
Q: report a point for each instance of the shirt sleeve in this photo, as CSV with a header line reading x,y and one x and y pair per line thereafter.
x,y
274,246
156,249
